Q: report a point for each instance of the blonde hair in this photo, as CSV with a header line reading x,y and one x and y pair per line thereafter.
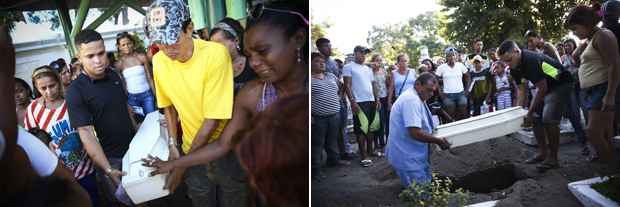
x,y
44,71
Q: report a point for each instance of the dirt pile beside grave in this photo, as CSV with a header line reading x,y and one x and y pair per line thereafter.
x,y
493,169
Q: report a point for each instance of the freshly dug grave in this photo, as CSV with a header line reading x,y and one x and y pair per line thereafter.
x,y
491,170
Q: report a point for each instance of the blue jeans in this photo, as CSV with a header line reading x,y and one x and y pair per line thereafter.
x,y
89,183
454,100
574,115
325,131
142,103
225,173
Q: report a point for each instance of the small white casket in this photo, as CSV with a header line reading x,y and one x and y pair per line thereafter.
x,y
483,127
151,139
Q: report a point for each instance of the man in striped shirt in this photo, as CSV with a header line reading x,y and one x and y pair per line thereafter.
x,y
325,115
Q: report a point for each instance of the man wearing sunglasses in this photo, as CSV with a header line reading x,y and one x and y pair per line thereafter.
x,y
554,85
194,81
411,128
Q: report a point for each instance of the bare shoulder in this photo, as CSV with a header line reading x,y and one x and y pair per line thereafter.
x,y
249,94
141,56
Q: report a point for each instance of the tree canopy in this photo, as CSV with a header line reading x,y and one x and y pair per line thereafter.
x,y
408,37
496,20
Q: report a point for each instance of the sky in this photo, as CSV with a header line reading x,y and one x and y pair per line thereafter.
x,y
352,19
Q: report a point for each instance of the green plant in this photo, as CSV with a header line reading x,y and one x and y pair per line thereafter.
x,y
9,18
609,188
437,193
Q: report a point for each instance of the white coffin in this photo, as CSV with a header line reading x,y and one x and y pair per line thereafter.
x,y
483,127
588,196
151,139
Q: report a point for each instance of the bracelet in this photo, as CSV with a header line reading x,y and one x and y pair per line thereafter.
x,y
108,171
172,142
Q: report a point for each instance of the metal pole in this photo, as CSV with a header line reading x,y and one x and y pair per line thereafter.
x,y
65,21
107,14
81,16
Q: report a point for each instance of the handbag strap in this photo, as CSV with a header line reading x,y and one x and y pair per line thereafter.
x,y
404,82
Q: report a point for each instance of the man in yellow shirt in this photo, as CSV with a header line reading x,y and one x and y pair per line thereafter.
x,y
194,84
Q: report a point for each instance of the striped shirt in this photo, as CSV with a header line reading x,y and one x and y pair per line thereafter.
x,y
65,139
325,99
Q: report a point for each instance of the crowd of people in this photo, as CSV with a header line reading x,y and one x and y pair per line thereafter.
x,y
231,101
551,81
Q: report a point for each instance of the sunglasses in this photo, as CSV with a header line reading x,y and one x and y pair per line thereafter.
x,y
258,11
122,34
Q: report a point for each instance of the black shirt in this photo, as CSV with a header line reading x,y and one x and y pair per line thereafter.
x,y
535,67
103,104
246,75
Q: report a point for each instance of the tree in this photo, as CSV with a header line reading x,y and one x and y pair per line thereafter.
x,y
38,17
9,18
320,30
497,20
408,37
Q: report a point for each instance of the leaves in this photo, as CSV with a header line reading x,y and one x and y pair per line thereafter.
x,y
9,18
497,20
407,37
39,17
436,193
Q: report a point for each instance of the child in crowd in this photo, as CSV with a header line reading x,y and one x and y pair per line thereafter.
x,y
479,85
504,84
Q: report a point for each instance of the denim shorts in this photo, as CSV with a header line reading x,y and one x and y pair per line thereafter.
x,y
554,105
142,103
592,97
454,99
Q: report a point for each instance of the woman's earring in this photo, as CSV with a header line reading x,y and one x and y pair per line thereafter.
x,y
298,55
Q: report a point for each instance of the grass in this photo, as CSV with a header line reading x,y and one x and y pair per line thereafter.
x,y
609,188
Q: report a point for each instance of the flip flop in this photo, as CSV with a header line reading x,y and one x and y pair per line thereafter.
x,y
533,160
366,163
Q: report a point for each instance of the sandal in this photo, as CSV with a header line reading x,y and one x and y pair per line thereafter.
x,y
366,163
534,159
547,166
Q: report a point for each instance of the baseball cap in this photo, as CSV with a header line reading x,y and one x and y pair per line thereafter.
x,y
362,49
164,20
478,58
450,50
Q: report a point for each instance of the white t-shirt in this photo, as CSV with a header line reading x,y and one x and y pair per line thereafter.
x,y
361,81
452,77
42,159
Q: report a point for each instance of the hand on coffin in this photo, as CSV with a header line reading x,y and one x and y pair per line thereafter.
x,y
159,165
443,144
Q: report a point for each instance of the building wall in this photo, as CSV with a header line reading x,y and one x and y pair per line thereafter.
x,y
30,55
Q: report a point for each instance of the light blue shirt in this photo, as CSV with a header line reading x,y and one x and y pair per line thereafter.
x,y
408,79
403,151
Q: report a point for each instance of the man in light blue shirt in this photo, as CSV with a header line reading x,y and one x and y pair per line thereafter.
x,y
411,128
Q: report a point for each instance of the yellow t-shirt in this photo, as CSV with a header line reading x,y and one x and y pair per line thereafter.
x,y
199,88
